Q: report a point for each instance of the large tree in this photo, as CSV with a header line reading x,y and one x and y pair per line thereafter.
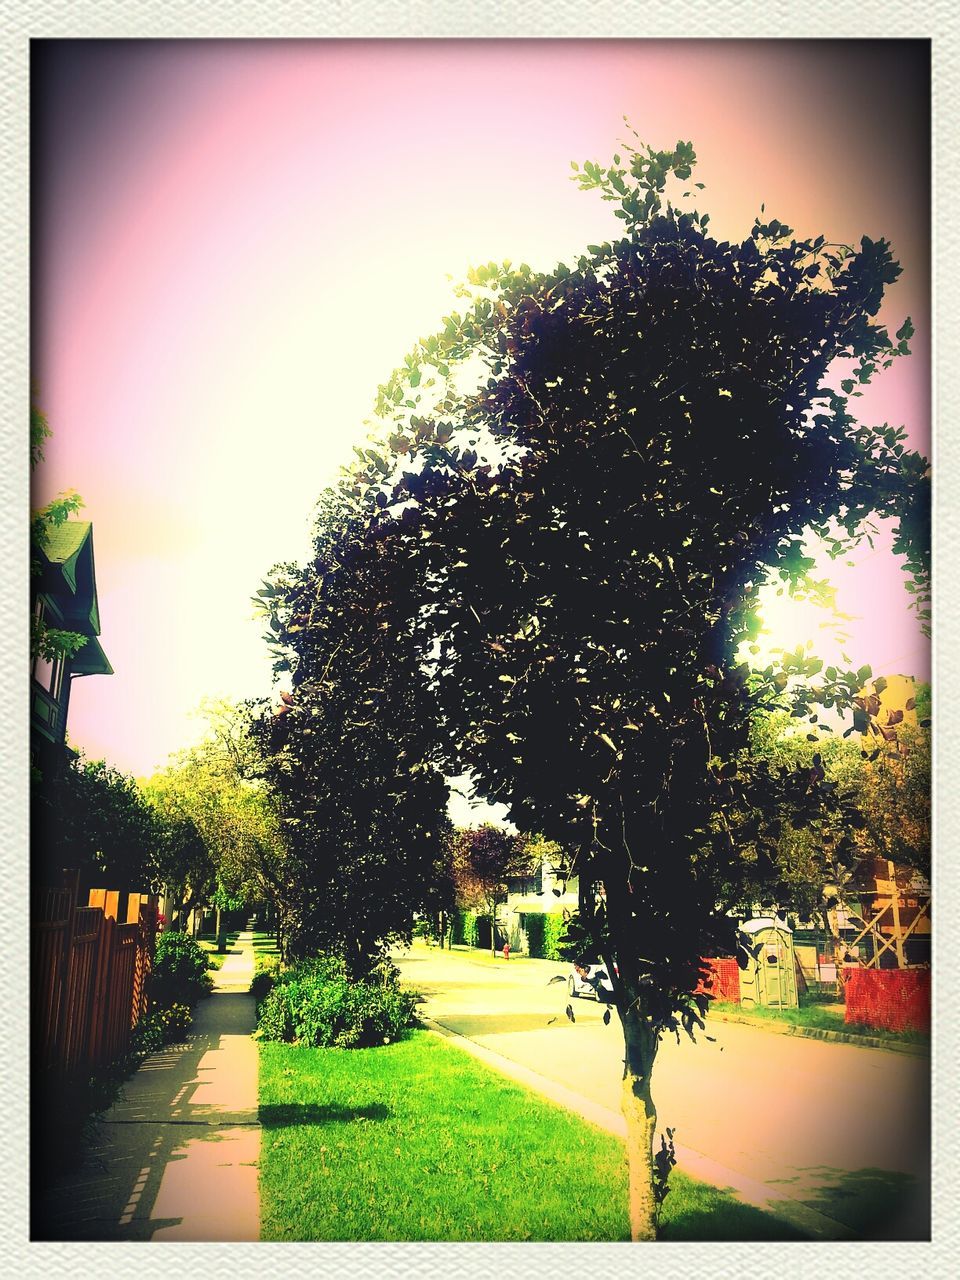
x,y
558,561
351,750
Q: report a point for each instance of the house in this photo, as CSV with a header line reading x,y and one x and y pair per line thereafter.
x,y
535,903
64,598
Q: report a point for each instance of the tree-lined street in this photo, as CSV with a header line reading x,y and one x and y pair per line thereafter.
x,y
840,1128
552,581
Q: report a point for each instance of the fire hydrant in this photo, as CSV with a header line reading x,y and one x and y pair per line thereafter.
x,y
506,951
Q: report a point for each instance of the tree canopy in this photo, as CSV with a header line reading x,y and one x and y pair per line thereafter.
x,y
226,844
544,567
93,818
350,754
481,859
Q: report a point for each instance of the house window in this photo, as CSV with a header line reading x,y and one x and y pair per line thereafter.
x,y
527,886
49,675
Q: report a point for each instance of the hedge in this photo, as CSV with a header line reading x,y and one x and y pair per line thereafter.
x,y
544,934
463,928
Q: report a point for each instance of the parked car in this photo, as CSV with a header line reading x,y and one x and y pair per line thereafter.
x,y
590,980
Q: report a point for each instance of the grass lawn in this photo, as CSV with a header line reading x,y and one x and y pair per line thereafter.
x,y
419,1141
208,943
814,1015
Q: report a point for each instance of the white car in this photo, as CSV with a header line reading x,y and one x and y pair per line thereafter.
x,y
590,980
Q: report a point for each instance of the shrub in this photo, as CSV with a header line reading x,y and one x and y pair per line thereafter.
x,y
175,1022
179,974
544,933
158,1028
533,927
315,1003
463,928
266,971
554,930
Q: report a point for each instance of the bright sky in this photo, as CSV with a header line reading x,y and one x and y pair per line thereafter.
x,y
235,242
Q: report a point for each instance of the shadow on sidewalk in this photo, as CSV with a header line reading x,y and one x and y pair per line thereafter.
x,y
179,1099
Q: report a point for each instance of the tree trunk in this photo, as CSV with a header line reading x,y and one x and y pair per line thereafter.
x,y
640,1051
832,919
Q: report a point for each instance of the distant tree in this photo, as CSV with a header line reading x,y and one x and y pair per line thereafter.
x,y
483,857
93,818
894,783
884,782
214,789
558,560
182,865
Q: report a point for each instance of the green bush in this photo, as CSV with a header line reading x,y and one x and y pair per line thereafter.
x,y
554,929
463,929
158,1028
266,971
315,1003
179,974
544,932
175,1022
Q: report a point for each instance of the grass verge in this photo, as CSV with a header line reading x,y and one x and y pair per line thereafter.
x,y
418,1141
816,1016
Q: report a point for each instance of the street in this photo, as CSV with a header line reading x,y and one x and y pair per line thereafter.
x,y
842,1129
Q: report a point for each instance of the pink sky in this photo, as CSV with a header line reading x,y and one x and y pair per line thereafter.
x,y
236,241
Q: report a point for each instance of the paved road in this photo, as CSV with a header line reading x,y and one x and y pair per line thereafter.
x,y
840,1128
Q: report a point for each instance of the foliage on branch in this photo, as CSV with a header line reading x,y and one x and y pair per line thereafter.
x,y
482,858
48,642
94,818
351,752
230,847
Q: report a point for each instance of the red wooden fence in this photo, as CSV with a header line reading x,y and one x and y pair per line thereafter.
x,y
88,981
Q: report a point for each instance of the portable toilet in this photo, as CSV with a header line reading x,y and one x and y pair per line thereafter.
x,y
770,978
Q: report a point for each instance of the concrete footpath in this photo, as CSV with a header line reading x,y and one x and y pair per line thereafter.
x,y
176,1157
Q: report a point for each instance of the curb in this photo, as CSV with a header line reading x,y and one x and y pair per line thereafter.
x,y
770,1199
823,1033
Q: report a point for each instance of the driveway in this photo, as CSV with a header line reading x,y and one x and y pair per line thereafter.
x,y
840,1128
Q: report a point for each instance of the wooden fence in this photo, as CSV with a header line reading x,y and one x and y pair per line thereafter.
x,y
88,981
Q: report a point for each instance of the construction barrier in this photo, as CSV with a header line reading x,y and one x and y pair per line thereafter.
x,y
723,982
888,999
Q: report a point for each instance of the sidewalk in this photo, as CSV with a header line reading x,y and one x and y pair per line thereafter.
x,y
176,1157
